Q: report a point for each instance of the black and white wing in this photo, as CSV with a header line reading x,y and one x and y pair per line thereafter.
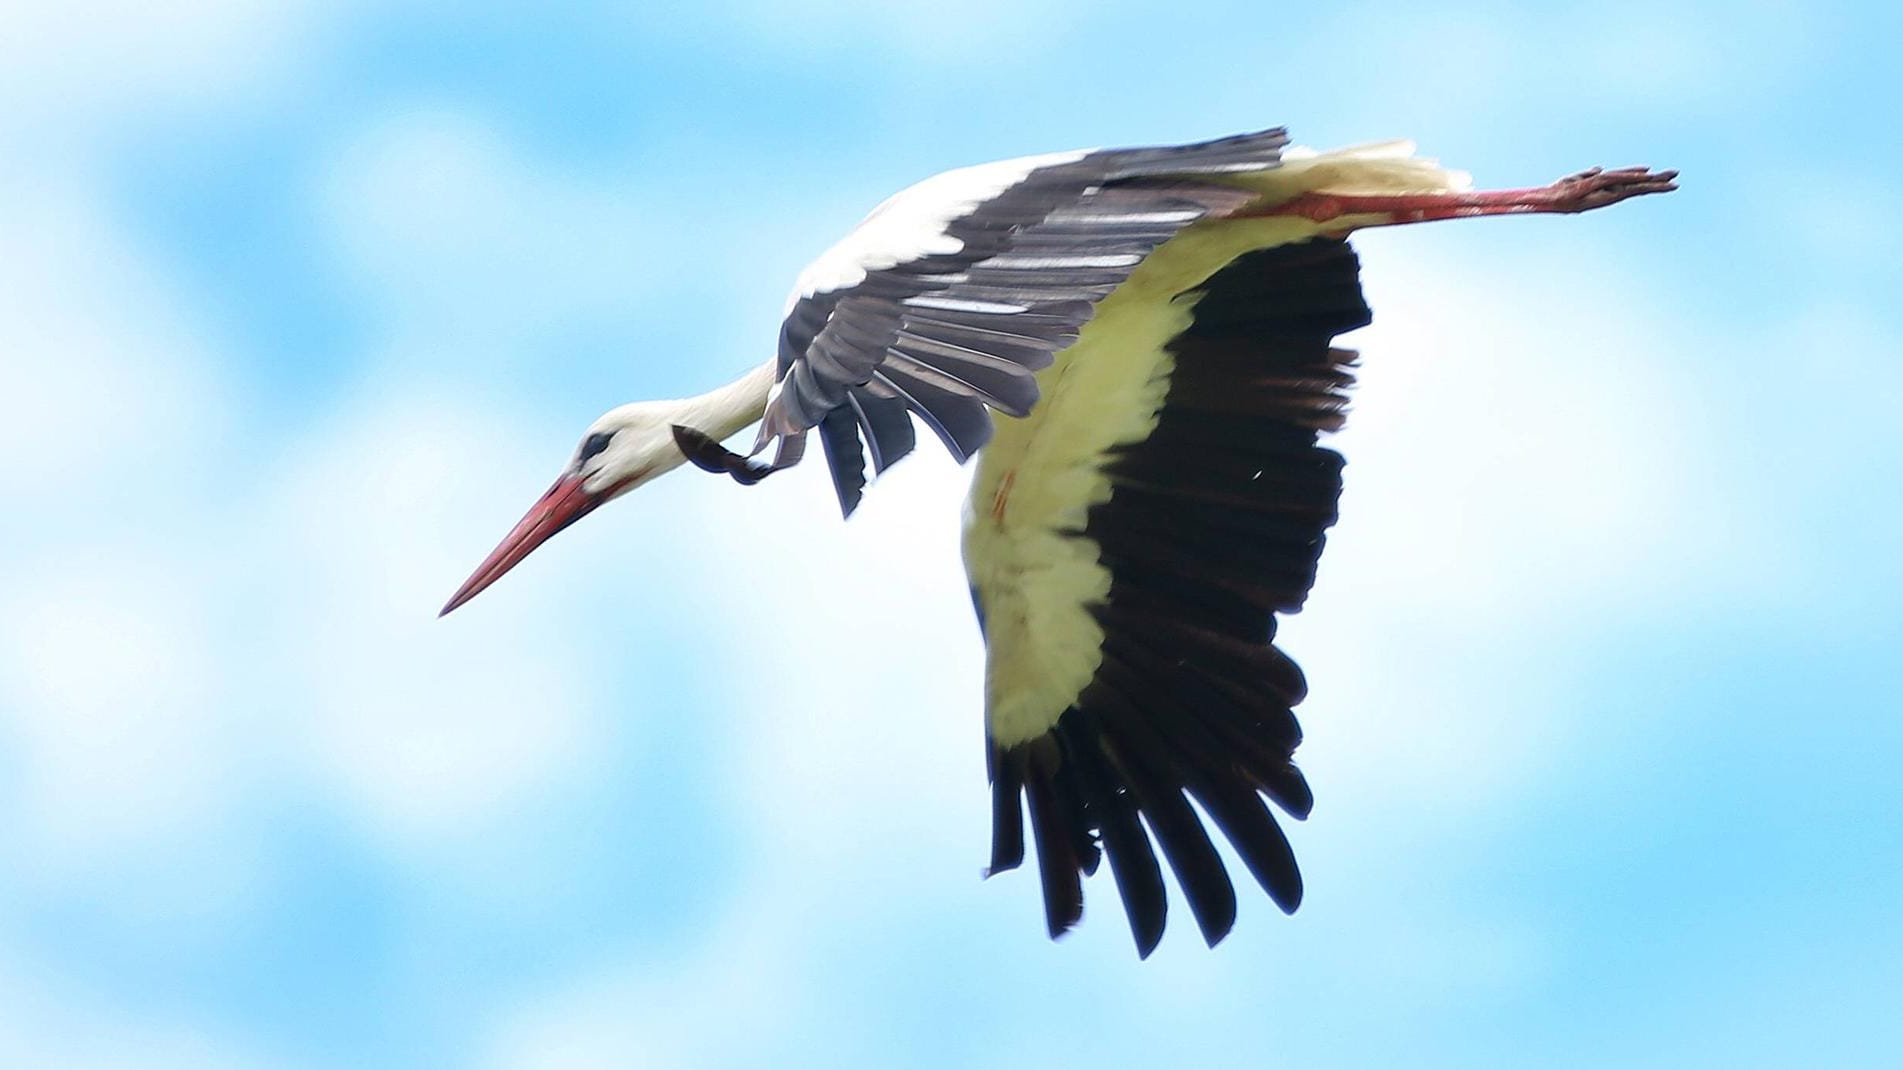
x,y
949,298
1129,583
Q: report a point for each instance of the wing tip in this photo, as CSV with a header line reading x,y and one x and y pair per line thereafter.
x,y
1115,773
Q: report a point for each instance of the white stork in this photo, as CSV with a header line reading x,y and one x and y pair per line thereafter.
x,y
1157,324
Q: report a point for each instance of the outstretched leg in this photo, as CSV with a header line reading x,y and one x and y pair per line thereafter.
x,y
1578,193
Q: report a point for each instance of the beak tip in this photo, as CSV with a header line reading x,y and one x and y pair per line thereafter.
x,y
464,594
565,502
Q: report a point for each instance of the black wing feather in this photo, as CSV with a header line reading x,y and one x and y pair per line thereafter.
x,y
954,335
1214,524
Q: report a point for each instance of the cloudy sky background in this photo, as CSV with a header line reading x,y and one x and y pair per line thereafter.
x,y
301,304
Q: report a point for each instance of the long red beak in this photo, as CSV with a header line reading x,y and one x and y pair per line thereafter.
x,y
565,503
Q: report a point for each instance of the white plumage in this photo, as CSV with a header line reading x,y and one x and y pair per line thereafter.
x,y
910,224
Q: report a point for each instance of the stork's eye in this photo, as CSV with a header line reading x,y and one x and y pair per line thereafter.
x,y
594,444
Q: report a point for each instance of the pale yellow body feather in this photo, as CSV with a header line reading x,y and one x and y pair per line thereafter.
x,y
1041,474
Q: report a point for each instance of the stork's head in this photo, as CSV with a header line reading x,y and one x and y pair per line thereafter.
x,y
627,447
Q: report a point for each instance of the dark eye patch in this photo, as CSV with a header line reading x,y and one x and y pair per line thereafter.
x,y
594,444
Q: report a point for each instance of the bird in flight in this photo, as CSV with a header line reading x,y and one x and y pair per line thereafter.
x,y
1156,327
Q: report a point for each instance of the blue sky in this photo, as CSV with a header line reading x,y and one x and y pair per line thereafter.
x,y
302,303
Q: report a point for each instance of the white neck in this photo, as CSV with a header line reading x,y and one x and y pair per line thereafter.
x,y
732,408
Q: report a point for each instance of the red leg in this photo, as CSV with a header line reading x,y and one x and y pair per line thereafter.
x,y
1579,193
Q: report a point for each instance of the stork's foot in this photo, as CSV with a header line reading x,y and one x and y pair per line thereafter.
x,y
1597,187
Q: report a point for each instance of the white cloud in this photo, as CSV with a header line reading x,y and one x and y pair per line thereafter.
x,y
1528,458
41,1028
113,405
107,644
101,365
1521,435
724,1004
69,71
108,667
184,637
1530,79
466,245
176,647
911,32
863,701
423,728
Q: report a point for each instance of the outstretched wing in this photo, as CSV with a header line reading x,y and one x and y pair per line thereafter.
x,y
950,297
1128,583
